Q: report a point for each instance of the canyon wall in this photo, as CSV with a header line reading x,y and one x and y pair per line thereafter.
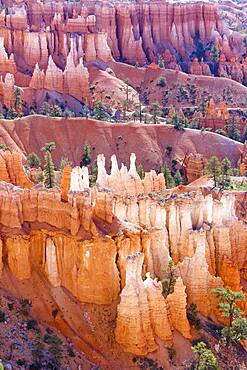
x,y
50,46
100,243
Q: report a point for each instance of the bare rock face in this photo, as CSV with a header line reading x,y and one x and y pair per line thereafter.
x,y
49,46
199,283
18,257
142,312
12,170
158,309
95,242
130,182
194,166
133,330
177,309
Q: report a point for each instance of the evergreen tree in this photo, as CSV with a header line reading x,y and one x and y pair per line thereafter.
x,y
233,131
33,160
155,111
238,331
214,54
64,163
100,112
226,172
229,309
170,279
245,42
55,111
205,358
214,57
93,174
140,171
170,183
161,61
178,178
49,174
213,169
3,147
38,350
11,114
87,155
45,109
177,122
55,349
244,136
18,103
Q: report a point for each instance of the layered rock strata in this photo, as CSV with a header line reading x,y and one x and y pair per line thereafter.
x,y
142,312
81,239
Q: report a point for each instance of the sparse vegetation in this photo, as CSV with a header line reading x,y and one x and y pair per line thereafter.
x,y
205,357
170,279
237,325
170,183
192,315
49,174
87,155
33,160
25,307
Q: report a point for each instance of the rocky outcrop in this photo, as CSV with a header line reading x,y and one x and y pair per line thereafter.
x,y
52,48
194,166
12,170
197,279
177,302
142,312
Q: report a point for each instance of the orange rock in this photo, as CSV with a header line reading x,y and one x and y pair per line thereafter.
x,y
12,169
65,182
177,309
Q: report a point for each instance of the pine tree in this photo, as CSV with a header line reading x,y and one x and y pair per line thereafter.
x,y
245,42
155,111
178,178
87,155
169,281
100,112
214,54
205,358
38,350
49,174
64,163
233,131
170,183
214,57
177,122
140,171
229,309
244,136
161,61
213,169
33,160
18,103
226,172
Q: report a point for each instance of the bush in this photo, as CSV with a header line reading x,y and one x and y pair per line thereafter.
x,y
33,160
10,306
171,353
25,307
192,316
2,316
32,324
162,82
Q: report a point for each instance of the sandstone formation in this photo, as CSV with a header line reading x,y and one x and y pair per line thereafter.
x,y
142,312
12,170
194,166
177,309
51,47
98,244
